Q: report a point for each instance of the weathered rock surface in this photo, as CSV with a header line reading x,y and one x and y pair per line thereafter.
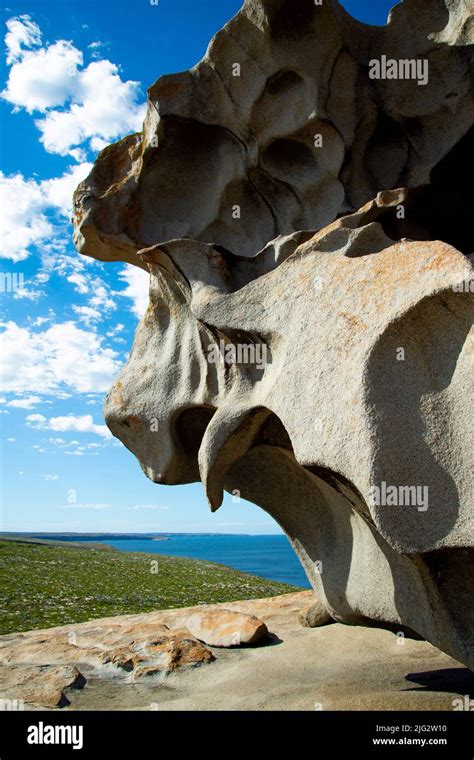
x,y
332,415
334,667
43,685
314,615
161,653
239,129
39,666
327,378
225,628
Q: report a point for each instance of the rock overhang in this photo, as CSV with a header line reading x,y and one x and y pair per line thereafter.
x,y
253,236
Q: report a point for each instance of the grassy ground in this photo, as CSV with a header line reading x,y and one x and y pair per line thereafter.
x,y
55,542
44,585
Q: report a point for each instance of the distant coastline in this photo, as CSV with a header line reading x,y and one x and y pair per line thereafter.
x,y
266,556
61,583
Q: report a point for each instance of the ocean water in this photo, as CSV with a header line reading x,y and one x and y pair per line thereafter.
x,y
266,556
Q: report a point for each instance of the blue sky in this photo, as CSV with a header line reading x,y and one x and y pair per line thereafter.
x,y
73,79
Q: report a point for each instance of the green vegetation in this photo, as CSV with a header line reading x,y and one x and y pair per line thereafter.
x,y
56,542
44,584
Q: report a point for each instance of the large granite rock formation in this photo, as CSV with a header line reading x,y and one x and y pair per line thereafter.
x,y
312,358
150,661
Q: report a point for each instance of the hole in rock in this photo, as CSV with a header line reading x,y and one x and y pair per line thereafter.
x,y
440,211
283,82
370,13
290,161
190,427
387,153
273,433
289,19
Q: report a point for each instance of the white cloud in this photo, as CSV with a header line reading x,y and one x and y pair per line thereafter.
x,y
49,476
79,281
60,131
11,440
30,295
39,321
43,78
114,333
82,424
101,296
61,357
25,204
98,143
22,33
96,46
73,448
36,420
99,302
28,402
103,108
24,221
97,106
58,191
81,108
85,506
86,314
118,328
61,262
138,284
